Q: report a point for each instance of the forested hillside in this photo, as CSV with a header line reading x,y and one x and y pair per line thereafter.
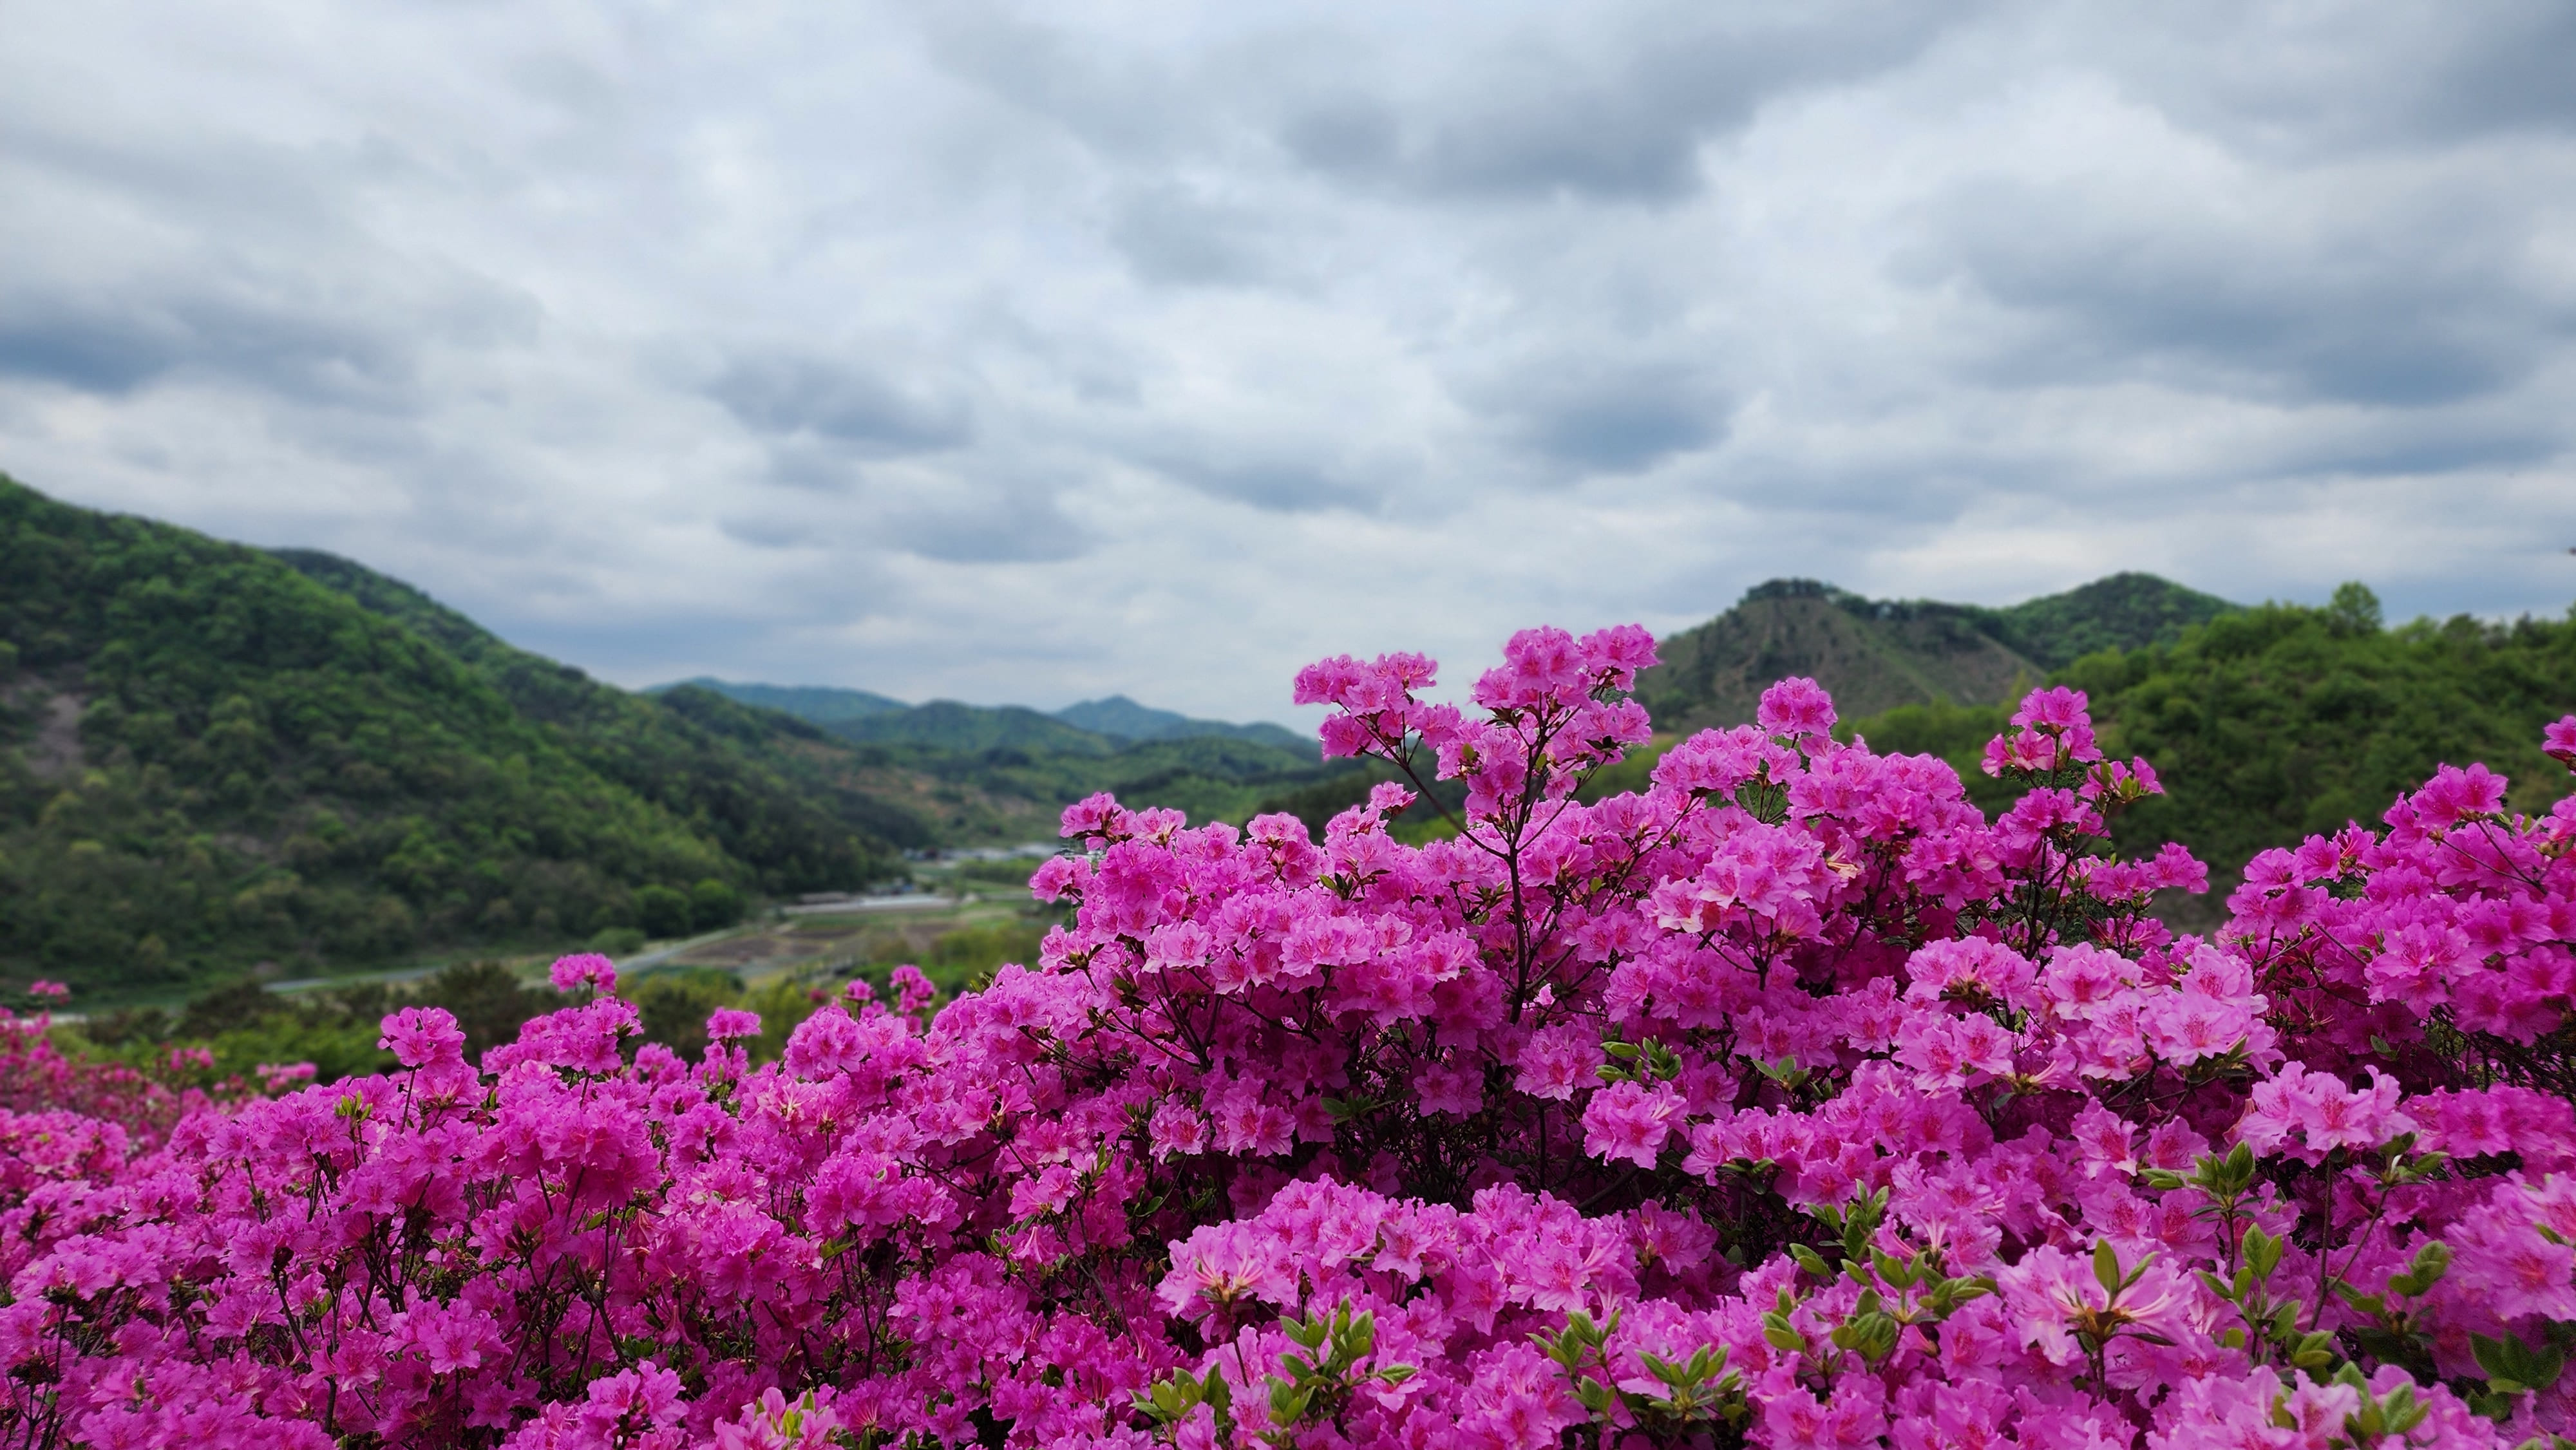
x,y
773,789
1124,718
213,759
1877,654
997,770
2268,724
821,704
1093,727
214,756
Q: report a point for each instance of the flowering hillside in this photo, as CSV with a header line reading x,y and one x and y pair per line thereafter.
x,y
1792,1102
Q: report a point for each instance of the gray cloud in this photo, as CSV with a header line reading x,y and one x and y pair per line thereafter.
x,y
1280,482
841,403
2302,81
1028,353
1616,111
985,525
1610,419
277,344
1174,237
2401,301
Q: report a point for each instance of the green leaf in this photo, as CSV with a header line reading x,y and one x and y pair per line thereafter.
x,y
2106,1267
1895,1272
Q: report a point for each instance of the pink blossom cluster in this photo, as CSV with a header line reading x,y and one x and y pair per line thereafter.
x,y
1790,1101
37,1076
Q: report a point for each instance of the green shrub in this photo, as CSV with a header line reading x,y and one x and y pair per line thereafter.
x,y
674,1006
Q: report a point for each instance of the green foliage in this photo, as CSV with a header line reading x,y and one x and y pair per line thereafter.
x,y
674,1006
489,1000
662,911
969,951
2278,722
2267,725
782,1004
767,787
950,726
248,1027
337,1048
1317,803
1122,718
1012,873
214,757
1095,727
1693,1395
713,905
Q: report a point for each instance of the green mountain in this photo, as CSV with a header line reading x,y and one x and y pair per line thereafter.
x,y
1874,655
1211,777
821,704
1124,718
948,725
211,756
2124,611
760,779
1099,727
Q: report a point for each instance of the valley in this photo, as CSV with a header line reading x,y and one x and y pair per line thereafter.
x,y
224,764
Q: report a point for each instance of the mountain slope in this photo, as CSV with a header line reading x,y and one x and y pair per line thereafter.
x,y
1123,717
208,758
771,788
1870,656
948,725
1876,655
2123,611
821,704
1098,726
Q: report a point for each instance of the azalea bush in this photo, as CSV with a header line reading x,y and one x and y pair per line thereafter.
x,y
1791,1101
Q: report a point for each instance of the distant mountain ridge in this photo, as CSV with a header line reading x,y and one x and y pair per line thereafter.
x,y
1874,655
1124,718
822,704
1093,727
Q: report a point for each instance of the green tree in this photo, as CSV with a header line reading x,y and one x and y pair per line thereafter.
x,y
662,911
674,1006
2353,610
714,904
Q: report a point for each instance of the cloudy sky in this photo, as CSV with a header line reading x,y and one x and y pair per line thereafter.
x,y
1029,354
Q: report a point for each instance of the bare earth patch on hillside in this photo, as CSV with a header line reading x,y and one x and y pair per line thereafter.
x,y
55,752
